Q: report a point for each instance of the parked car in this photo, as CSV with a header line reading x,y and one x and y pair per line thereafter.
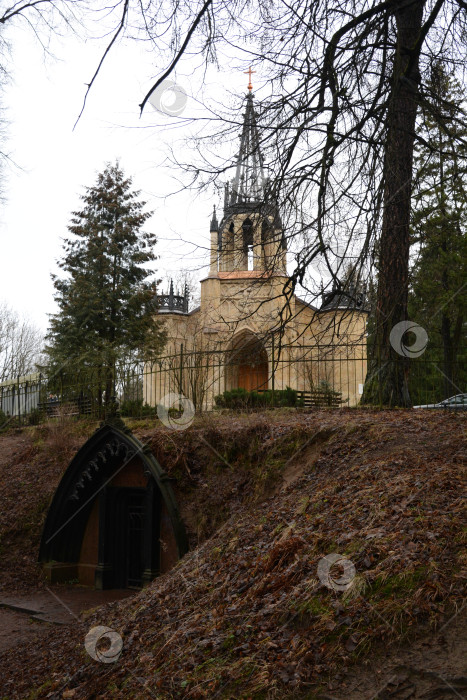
x,y
456,403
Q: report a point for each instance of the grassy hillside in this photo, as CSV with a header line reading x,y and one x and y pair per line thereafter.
x,y
255,610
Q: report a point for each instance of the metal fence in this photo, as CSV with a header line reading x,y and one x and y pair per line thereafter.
x,y
322,375
204,376
21,396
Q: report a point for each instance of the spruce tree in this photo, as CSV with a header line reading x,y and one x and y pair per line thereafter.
x,y
438,299
107,298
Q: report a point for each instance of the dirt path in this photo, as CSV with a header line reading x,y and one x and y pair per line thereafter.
x,y
26,617
13,445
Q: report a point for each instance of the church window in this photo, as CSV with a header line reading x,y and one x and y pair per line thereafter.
x,y
247,234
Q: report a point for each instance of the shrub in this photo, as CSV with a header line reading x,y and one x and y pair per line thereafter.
x,y
35,417
135,408
327,394
242,399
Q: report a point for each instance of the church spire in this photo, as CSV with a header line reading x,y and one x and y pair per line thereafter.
x,y
214,223
248,183
249,237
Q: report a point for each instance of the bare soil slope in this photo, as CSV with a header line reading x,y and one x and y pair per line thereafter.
x,y
255,610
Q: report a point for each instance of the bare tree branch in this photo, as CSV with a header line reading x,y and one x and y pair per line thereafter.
x,y
179,54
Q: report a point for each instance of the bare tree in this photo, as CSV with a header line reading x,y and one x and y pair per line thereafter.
x,y
338,125
20,344
346,81
45,17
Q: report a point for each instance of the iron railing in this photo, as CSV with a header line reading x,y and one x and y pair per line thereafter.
x,y
313,371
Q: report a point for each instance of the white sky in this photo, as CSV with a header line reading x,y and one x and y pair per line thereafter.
x,y
55,162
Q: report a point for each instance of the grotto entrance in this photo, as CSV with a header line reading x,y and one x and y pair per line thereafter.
x,y
114,520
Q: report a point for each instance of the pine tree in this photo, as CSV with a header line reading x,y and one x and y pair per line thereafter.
x,y
438,299
107,299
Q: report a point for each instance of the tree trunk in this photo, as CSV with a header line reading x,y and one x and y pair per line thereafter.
x,y
447,356
456,344
387,378
445,320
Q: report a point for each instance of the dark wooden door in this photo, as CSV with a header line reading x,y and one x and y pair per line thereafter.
x,y
125,520
135,515
252,377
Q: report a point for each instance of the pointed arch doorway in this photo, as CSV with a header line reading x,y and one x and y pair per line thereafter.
x,y
247,364
114,520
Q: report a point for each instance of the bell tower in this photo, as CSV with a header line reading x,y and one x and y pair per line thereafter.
x,y
249,237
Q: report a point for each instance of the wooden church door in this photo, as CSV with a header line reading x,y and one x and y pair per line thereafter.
x,y
253,377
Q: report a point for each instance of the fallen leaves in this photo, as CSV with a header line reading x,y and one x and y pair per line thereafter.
x,y
245,613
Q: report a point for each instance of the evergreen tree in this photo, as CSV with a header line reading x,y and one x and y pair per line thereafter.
x,y
107,300
438,299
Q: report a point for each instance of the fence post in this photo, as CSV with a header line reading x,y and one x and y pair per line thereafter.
x,y
26,407
180,382
273,373
19,403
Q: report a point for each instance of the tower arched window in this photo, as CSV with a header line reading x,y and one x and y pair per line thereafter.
x,y
265,238
230,237
247,237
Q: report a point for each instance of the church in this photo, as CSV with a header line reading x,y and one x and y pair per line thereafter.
x,y
250,330
114,521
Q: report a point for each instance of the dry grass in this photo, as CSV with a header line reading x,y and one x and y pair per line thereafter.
x,y
246,614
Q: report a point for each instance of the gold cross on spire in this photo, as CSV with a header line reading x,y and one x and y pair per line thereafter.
x,y
249,72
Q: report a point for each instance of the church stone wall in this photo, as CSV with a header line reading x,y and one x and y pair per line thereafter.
x,y
316,348
245,296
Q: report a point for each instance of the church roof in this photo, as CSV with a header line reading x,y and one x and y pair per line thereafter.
x,y
246,193
306,303
343,299
248,183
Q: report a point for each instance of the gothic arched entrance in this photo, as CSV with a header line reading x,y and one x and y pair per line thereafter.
x,y
247,364
113,521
